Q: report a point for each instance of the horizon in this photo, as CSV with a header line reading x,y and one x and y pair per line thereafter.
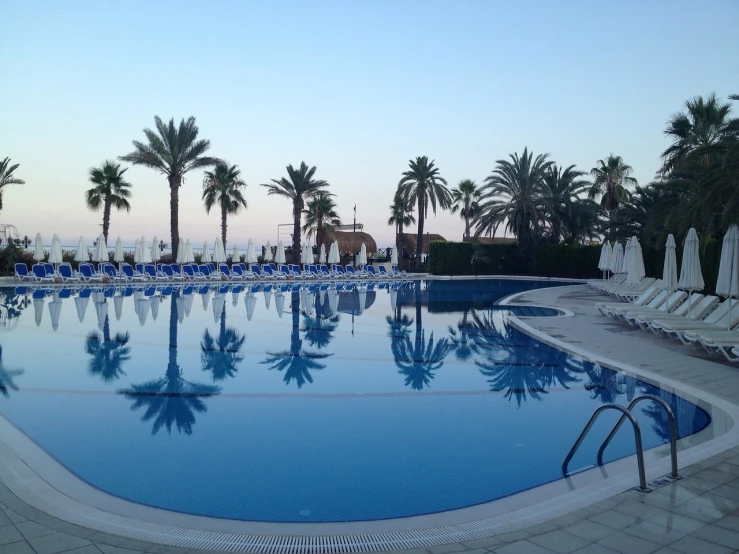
x,y
465,83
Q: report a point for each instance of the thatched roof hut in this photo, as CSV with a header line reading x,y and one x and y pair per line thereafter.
x,y
409,242
351,242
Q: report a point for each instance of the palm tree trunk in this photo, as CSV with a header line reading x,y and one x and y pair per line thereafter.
x,y
467,223
173,370
174,212
224,215
106,219
319,233
1,200
419,243
297,211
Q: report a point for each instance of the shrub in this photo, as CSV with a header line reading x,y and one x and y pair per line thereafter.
x,y
450,258
568,260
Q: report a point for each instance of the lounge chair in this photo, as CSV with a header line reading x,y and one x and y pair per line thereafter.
x,y
111,272
257,271
339,272
351,272
270,273
21,273
176,271
88,273
323,271
397,272
166,271
696,307
241,272
374,274
205,271
298,273
670,304
67,275
39,274
717,320
153,275
191,273
629,293
618,310
606,307
49,268
227,272
383,272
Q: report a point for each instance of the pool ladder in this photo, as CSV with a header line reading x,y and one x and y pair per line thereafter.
x,y
626,413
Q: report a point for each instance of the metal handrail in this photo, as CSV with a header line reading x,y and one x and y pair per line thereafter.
x,y
673,429
637,438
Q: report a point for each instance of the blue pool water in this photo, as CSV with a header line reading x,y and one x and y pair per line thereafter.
x,y
325,406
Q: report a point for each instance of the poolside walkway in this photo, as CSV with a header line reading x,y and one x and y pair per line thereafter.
x,y
698,514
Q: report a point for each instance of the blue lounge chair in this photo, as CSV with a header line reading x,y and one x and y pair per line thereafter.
x,y
313,270
397,272
39,274
21,273
383,272
176,271
257,271
151,274
323,271
191,272
49,268
205,271
271,273
111,272
339,272
67,275
166,270
372,273
351,272
227,273
242,272
130,274
88,273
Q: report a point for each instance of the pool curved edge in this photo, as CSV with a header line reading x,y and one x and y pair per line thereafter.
x,y
37,479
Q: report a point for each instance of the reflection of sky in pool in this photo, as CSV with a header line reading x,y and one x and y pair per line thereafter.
x,y
348,405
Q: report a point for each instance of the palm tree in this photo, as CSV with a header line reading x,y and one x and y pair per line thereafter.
x,y
6,177
518,195
466,198
701,126
107,355
223,186
221,356
611,179
7,376
320,216
299,186
110,191
173,151
171,400
296,362
564,187
401,215
423,185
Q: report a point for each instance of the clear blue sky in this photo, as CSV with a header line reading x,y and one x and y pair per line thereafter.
x,y
356,88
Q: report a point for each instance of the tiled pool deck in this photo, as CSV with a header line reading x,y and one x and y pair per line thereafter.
x,y
698,514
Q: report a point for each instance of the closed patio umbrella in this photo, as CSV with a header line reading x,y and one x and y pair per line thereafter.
x,y
145,252
180,303
219,254
333,301
55,255
181,252
55,309
235,255
189,257
669,269
394,256
727,284
691,276
137,252
251,301
280,254
155,301
81,254
632,269
80,303
362,255
156,254
205,256
251,254
362,298
141,305
618,258
38,249
322,255
268,256
100,254
267,295
604,263
118,254
188,303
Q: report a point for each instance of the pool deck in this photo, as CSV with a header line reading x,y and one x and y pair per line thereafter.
x,y
698,514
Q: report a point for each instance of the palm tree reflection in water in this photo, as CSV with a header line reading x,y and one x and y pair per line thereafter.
x,y
107,355
7,376
221,356
296,362
171,400
417,359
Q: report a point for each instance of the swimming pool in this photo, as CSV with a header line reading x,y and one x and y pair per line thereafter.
x,y
306,405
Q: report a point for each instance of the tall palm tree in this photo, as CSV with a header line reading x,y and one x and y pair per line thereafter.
x,y
466,199
174,151
7,178
565,185
223,187
111,190
298,186
700,126
171,400
221,355
320,216
422,184
611,181
296,362
107,354
401,215
518,195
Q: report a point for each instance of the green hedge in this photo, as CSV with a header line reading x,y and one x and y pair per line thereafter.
x,y
552,260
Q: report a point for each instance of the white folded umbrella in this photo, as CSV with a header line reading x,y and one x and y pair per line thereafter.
x,y
80,303
205,298
691,276
55,309
205,256
181,252
235,255
118,305
155,301
38,250
156,254
279,303
141,306
669,268
322,255
55,255
81,255
604,263
145,252
118,254
219,254
267,296
251,301
280,254
268,256
333,301
189,257
394,256
180,303
727,284
618,258
188,303
101,250
251,255
363,255
137,252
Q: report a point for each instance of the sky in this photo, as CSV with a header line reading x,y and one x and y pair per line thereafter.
x,y
354,88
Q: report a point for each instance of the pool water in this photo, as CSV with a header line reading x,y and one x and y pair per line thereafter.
x,y
298,404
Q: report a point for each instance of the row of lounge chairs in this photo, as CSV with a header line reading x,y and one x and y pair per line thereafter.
x,y
703,321
44,272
